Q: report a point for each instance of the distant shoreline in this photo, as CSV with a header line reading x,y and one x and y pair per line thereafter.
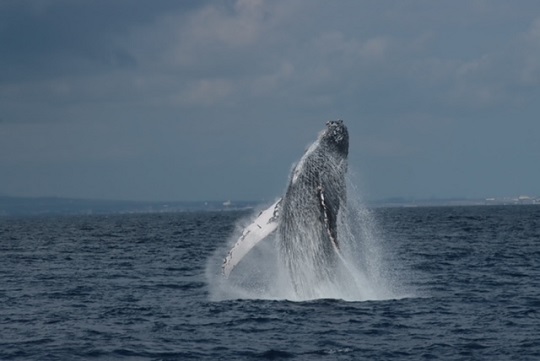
x,y
27,206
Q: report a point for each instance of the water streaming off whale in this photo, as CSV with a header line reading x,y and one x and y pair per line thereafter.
x,y
318,241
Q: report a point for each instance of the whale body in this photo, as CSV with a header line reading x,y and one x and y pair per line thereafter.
x,y
305,218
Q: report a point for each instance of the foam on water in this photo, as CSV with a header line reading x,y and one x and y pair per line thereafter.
x,y
361,272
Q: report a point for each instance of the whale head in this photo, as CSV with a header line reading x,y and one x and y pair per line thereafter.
x,y
336,137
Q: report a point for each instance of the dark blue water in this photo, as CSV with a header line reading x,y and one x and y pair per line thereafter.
x,y
134,287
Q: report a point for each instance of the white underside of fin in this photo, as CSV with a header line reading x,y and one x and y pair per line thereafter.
x,y
265,223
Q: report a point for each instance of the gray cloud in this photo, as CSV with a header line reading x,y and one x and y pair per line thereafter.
x,y
201,99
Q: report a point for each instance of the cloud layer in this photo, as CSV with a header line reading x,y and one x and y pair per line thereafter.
x,y
215,100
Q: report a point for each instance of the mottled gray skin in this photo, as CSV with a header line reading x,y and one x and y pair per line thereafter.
x,y
308,239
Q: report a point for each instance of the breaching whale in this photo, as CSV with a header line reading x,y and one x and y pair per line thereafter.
x,y
305,218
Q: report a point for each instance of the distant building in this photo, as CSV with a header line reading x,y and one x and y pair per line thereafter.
x,y
525,200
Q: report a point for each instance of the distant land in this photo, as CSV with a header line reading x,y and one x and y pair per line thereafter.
x,y
448,202
23,206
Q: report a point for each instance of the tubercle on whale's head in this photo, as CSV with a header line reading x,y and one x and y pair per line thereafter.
x,y
336,136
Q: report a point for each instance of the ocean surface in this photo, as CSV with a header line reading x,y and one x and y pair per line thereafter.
x,y
460,283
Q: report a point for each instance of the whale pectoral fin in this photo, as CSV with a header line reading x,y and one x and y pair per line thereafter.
x,y
329,219
263,226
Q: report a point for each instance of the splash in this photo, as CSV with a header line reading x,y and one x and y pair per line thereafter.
x,y
360,271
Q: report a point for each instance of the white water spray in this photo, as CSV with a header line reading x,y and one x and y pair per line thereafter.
x,y
360,272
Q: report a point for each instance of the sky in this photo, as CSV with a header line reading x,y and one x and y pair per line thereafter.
x,y
216,100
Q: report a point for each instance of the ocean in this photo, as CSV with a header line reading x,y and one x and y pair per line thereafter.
x,y
456,283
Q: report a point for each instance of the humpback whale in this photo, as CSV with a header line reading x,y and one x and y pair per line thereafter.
x,y
304,220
